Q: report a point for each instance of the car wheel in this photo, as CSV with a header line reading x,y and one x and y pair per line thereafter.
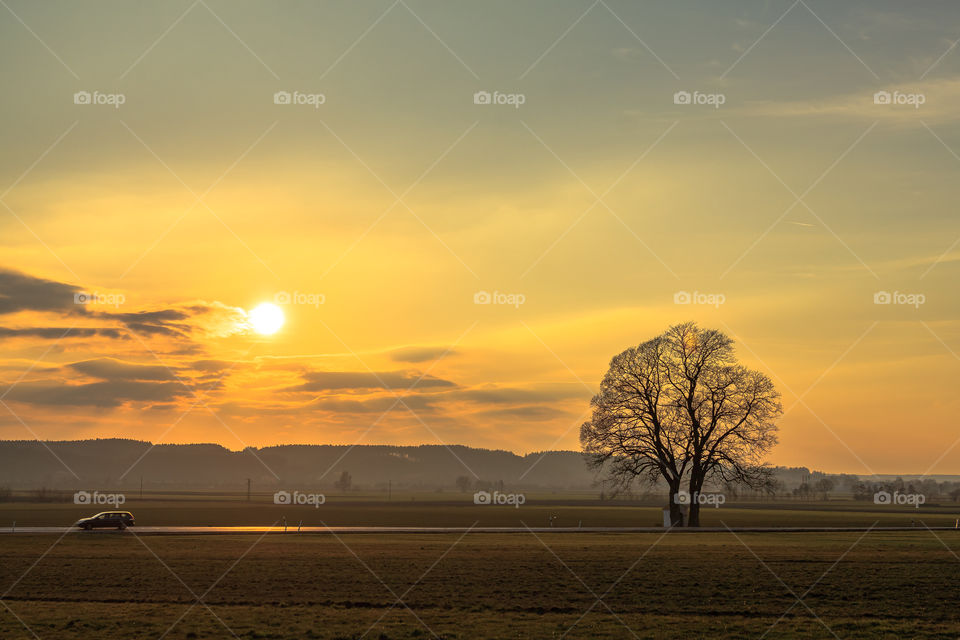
x,y
86,527
121,526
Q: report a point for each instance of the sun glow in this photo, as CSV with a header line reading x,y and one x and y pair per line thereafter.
x,y
266,319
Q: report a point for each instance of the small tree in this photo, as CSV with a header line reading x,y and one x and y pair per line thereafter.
x,y
463,483
824,486
344,482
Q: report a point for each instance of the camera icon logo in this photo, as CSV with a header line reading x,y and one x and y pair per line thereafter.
x,y
482,497
682,297
281,97
882,497
81,97
682,97
82,497
482,297
882,297
482,97
882,97
282,297
681,497
82,297
282,497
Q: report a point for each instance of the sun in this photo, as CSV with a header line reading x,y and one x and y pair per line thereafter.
x,y
266,318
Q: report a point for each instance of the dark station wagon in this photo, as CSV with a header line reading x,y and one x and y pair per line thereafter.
x,y
107,520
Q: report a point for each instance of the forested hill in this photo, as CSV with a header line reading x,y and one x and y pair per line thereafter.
x,y
118,463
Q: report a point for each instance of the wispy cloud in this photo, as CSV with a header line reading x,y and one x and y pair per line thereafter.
x,y
939,99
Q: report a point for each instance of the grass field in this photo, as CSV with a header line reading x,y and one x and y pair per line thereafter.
x,y
457,510
117,585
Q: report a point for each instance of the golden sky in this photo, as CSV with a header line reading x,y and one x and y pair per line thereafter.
x,y
377,205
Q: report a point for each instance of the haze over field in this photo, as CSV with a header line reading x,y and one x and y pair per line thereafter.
x,y
136,236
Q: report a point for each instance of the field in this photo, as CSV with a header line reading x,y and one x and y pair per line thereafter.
x,y
109,584
458,510
119,585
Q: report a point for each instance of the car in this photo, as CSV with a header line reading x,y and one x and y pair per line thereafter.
x,y
107,520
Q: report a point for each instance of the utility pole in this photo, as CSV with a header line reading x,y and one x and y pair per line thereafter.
x,y
248,489
141,487
389,490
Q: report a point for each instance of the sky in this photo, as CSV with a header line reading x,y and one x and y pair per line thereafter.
x,y
464,210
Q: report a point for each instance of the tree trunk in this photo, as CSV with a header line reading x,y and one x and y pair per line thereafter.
x,y
693,517
676,514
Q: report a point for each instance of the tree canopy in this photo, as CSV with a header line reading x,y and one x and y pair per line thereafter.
x,y
681,408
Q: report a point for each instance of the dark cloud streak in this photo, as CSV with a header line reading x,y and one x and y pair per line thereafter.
x,y
22,292
362,380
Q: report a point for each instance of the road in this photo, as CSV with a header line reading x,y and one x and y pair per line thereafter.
x,y
139,530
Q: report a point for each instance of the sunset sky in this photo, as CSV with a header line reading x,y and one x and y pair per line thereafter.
x,y
374,219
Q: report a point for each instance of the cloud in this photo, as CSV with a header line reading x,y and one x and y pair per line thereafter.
x,y
940,97
22,292
212,366
118,383
420,354
106,394
514,395
56,333
529,413
345,380
111,369
377,404
168,322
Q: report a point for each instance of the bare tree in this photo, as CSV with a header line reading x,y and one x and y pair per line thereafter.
x,y
345,482
824,486
680,407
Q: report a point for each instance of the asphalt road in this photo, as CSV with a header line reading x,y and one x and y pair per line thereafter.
x,y
139,530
